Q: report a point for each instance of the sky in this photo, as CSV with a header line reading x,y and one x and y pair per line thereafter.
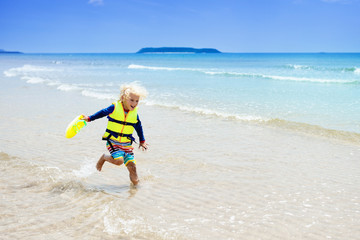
x,y
125,26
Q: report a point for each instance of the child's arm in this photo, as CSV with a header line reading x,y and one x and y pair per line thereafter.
x,y
102,113
140,133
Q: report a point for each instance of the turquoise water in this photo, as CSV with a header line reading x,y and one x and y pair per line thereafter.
x,y
321,89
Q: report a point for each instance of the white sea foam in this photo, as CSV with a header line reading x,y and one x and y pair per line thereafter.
x,y
96,85
12,72
282,78
304,79
298,66
39,80
68,87
32,74
251,75
98,95
234,74
38,75
322,68
357,70
34,80
86,169
134,66
210,112
53,83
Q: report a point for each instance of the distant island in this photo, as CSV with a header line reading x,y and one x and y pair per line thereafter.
x,y
178,50
3,51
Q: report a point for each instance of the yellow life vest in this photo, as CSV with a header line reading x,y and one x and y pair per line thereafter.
x,y
120,126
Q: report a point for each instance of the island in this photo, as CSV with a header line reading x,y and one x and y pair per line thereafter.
x,y
178,50
3,51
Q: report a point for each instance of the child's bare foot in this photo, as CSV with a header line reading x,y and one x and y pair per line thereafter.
x,y
100,163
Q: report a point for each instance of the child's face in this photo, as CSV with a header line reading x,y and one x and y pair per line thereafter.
x,y
131,101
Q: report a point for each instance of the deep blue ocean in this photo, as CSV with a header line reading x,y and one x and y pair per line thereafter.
x,y
305,89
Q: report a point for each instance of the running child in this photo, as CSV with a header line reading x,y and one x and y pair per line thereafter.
x,y
123,119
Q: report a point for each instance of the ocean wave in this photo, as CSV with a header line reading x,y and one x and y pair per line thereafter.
x,y
86,91
34,75
98,95
204,111
98,91
39,80
30,74
313,80
299,127
283,78
298,66
34,80
234,74
68,87
355,70
12,72
134,66
252,75
98,85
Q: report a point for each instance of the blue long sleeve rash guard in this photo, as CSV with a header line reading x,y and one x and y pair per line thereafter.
x,y
106,111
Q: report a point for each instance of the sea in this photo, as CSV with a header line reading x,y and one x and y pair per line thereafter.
x,y
241,146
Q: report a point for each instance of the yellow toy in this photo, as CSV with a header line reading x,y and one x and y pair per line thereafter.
x,y
75,126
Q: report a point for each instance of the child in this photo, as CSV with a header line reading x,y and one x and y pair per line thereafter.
x,y
122,120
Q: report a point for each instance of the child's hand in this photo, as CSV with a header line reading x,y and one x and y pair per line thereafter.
x,y
143,146
86,118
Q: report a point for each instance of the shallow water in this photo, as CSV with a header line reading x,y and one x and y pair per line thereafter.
x,y
307,89
204,176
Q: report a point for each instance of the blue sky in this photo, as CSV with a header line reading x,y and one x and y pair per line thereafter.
x,y
53,26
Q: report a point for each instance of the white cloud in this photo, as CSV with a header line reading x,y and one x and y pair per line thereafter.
x,y
96,2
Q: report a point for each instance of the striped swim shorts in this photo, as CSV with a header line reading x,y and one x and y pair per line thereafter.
x,y
121,150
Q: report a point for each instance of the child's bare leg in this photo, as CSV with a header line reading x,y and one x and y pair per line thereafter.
x,y
132,173
109,159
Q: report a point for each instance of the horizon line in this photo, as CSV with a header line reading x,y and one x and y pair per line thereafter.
x,y
318,52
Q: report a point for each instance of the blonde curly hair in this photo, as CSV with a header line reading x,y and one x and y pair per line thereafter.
x,y
134,88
